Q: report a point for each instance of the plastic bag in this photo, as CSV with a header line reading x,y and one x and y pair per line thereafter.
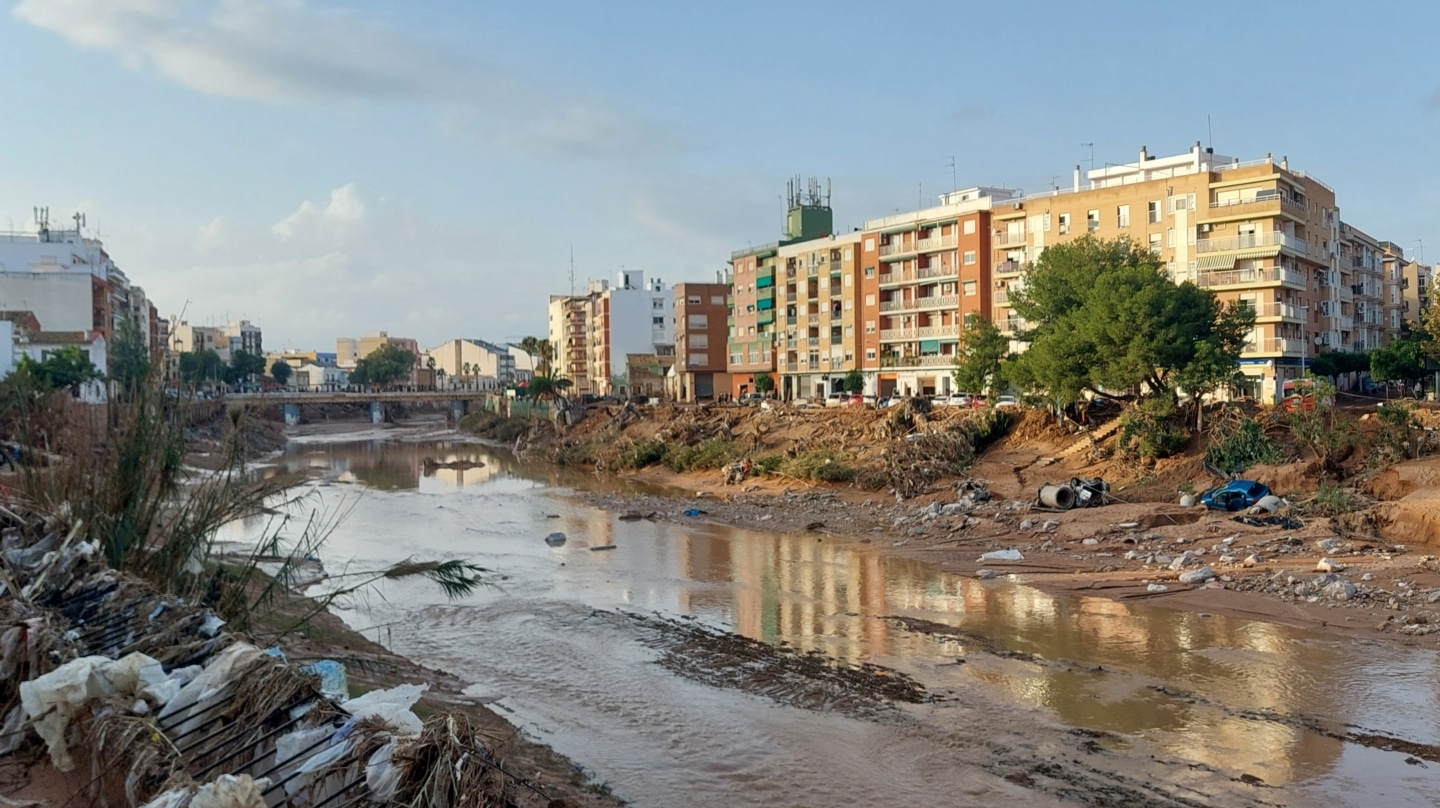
x,y
391,706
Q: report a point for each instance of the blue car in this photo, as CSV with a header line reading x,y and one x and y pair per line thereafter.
x,y
1236,495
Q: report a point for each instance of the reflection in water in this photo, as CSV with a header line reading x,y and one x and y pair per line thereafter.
x,y
1097,663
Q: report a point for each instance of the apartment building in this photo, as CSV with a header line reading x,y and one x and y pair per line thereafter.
x,y
569,332
753,330
817,342
187,338
1259,233
1416,290
1361,290
701,320
473,359
243,335
923,274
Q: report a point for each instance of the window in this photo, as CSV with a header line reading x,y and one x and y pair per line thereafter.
x,y
869,353
1153,211
849,305
697,359
700,340
1155,243
869,245
869,272
1064,223
969,287
657,303
1185,202
737,357
848,253
657,321
1092,220
849,280
870,299
869,326
1045,222
849,330
717,300
754,355
969,257
1122,215
693,300
1170,237
969,227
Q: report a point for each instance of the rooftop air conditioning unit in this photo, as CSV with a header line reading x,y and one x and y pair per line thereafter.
x,y
1018,206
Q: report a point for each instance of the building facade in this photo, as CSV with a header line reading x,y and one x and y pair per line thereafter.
x,y
923,273
242,335
701,322
474,359
569,327
594,332
1258,233
754,332
816,342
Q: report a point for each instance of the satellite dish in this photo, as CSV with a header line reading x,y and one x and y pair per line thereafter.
x,y
1319,341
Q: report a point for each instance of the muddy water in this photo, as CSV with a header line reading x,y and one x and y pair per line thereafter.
x,y
1195,700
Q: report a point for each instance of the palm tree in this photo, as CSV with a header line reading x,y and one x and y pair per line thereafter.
x,y
546,352
531,347
440,377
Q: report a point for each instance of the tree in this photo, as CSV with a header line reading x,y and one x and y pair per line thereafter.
x,y
440,375
764,383
1401,360
983,349
243,367
280,372
430,362
1334,363
1104,315
545,351
465,369
202,366
854,382
129,359
547,386
63,369
531,347
385,365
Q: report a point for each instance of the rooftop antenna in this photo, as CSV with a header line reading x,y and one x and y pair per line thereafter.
x,y
954,183
1209,134
1419,250
1092,154
572,269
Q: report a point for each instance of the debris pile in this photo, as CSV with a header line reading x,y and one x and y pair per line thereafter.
x,y
167,708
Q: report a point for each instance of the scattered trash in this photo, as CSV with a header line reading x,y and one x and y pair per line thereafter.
x,y
556,539
1187,500
1266,504
1090,541
984,574
630,516
1009,554
333,684
1157,588
1330,546
812,526
1286,522
1077,493
1328,565
694,512
602,547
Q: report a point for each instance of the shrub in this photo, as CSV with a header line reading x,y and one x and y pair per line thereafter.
x,y
1236,443
1151,429
639,454
1399,435
819,465
1332,500
709,454
984,427
769,464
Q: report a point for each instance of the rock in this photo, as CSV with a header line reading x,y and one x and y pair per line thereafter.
x,y
1329,546
985,575
1161,559
1328,565
933,510
1252,559
1227,559
1157,588
1132,555
1186,559
1366,577
767,517
1128,525
1339,589
1199,576
1027,525
1090,541
956,508
1433,596
814,526
555,539
1050,525
1009,554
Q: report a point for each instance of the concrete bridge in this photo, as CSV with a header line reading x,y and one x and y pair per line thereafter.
x,y
290,400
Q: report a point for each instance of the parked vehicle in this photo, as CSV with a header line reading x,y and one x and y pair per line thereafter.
x,y
855,400
1236,495
1007,401
836,399
869,400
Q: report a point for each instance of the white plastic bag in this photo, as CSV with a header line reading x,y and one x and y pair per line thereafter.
x,y
391,706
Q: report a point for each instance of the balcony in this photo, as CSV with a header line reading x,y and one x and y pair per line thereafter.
x,y
1347,293
938,302
1277,345
1007,238
1001,297
1261,205
1345,323
1251,277
1009,268
937,360
912,361
926,273
923,332
1249,241
893,248
1278,311
936,243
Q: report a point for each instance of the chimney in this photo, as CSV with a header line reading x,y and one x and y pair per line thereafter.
x,y
1195,150
1077,177
1285,162
1144,155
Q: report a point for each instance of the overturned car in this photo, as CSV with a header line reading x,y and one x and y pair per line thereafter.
x,y
1236,495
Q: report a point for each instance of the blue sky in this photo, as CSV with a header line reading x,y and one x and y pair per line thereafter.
x,y
328,168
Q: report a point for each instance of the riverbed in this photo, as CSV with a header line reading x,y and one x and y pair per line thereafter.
x,y
1039,698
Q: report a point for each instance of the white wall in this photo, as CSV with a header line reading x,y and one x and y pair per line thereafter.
x,y
91,392
633,329
61,301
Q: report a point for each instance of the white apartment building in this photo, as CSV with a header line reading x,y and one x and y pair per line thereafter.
x,y
594,332
473,359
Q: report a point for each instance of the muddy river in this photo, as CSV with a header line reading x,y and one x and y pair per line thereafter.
x,y
1187,708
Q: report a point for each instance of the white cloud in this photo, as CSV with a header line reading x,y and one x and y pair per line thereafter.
x,y
210,235
344,208
287,51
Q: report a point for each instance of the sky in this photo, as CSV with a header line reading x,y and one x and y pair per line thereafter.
x,y
425,168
